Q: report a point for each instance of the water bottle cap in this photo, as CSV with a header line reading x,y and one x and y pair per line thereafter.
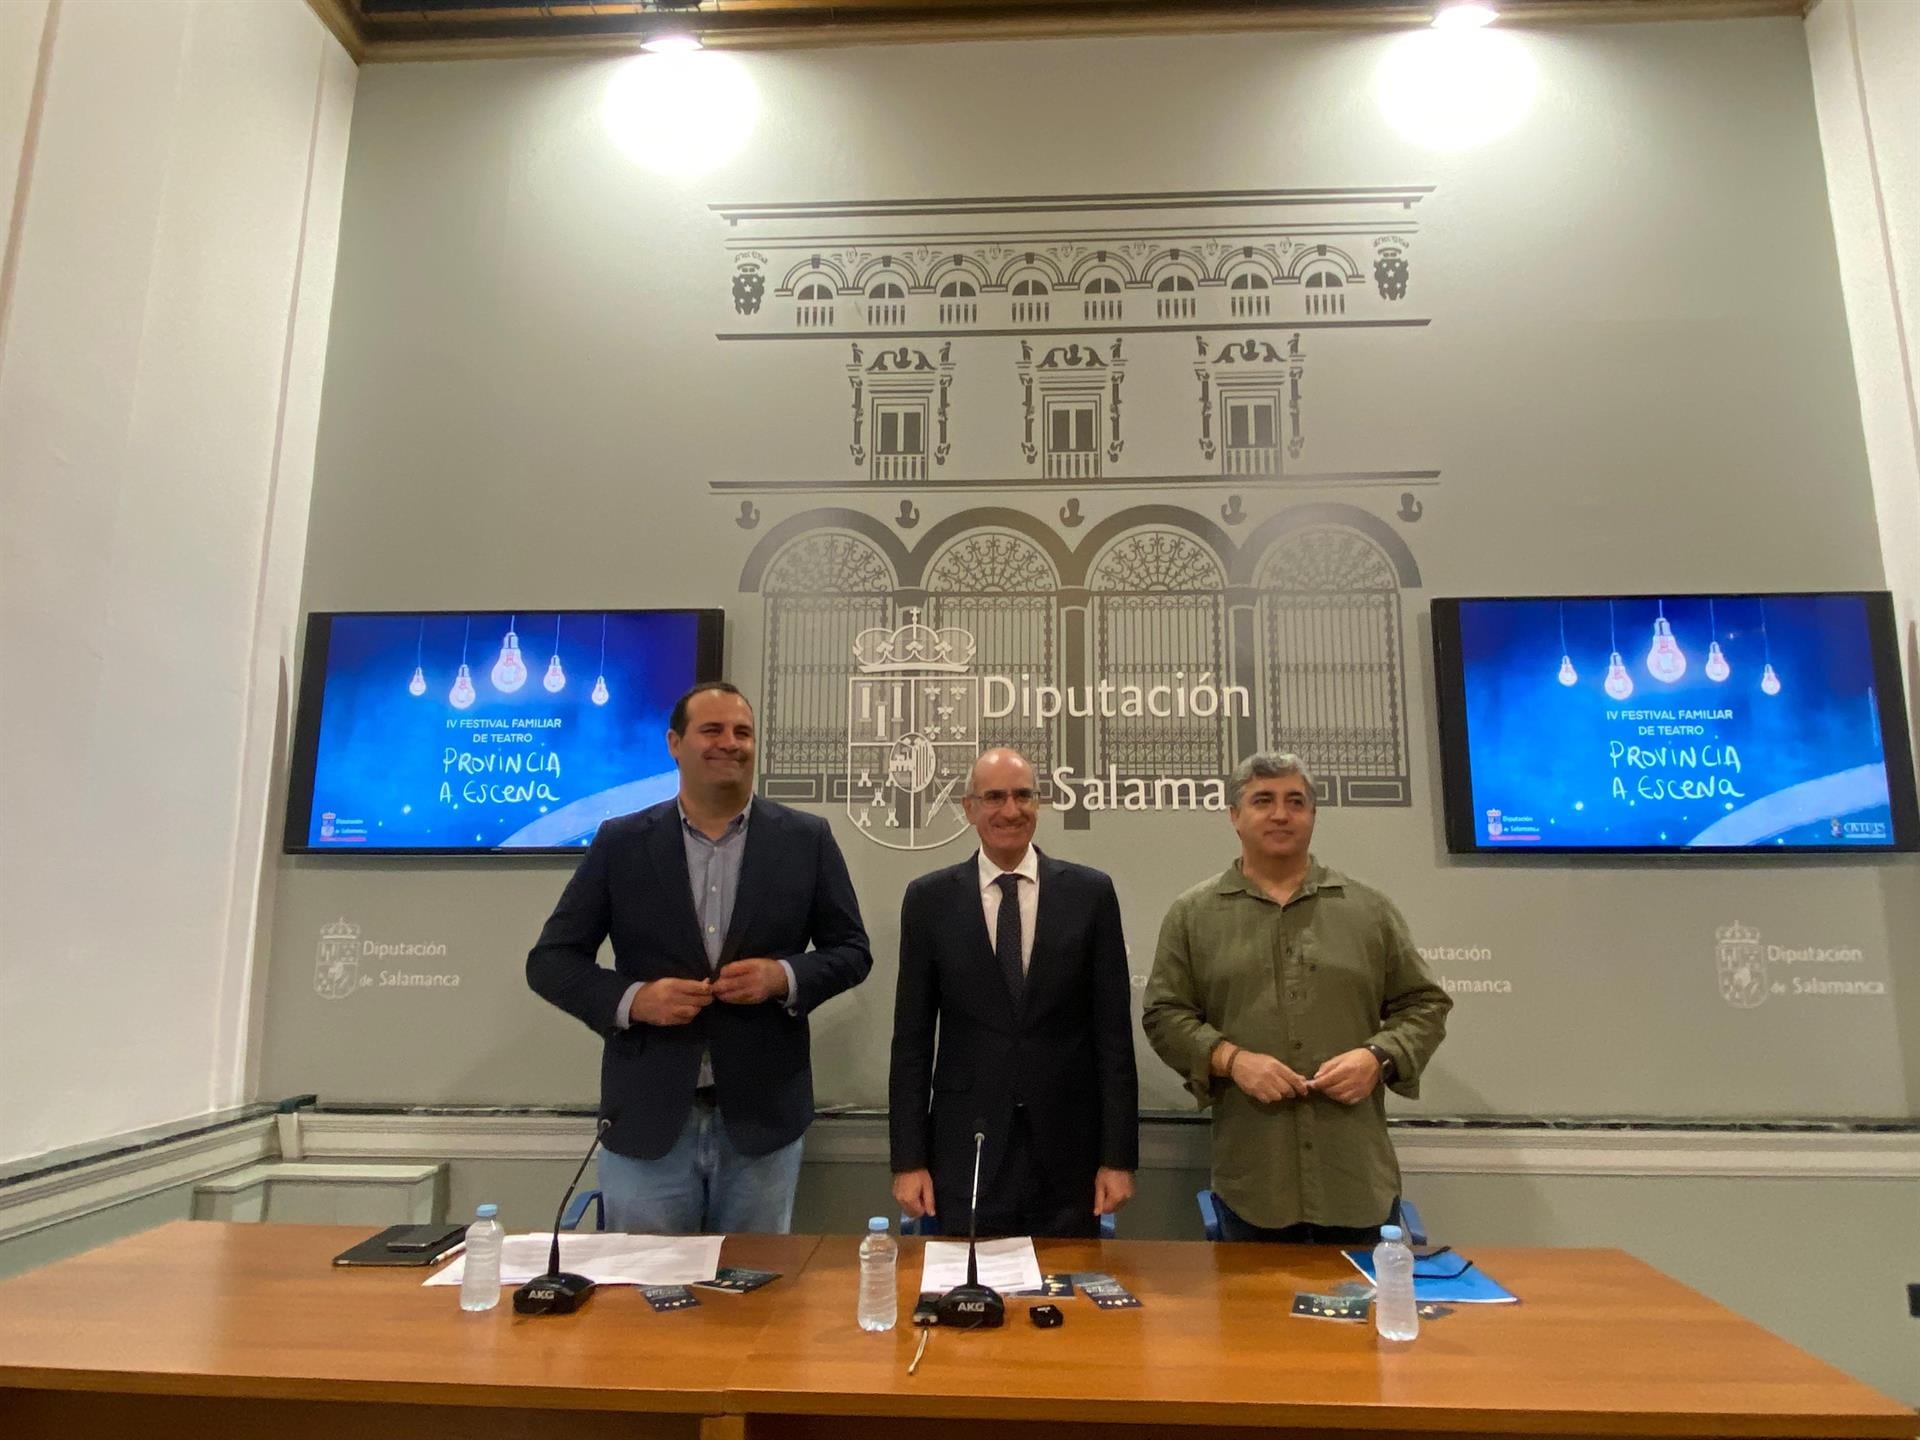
x,y
1392,1232
877,1225
487,1212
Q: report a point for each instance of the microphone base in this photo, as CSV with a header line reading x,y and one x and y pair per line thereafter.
x,y
552,1295
971,1307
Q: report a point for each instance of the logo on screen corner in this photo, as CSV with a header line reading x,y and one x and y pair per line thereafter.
x,y
336,969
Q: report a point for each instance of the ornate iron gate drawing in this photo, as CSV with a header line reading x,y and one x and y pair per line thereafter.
x,y
1003,590
821,591
1159,607
1332,664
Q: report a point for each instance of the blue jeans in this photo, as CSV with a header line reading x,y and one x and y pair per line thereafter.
x,y
701,1185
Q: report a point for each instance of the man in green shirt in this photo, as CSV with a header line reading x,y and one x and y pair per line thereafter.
x,y
1287,995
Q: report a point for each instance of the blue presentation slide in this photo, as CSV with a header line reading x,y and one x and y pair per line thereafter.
x,y
1725,722
494,731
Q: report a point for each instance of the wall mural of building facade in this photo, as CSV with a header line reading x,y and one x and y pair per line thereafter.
x,y
1136,656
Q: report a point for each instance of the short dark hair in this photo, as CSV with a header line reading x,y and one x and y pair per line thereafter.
x,y
1270,765
677,722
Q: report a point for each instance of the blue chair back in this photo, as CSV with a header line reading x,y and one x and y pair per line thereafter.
x,y
577,1209
1404,1214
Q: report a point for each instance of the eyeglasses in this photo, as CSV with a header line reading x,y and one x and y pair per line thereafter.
x,y
994,799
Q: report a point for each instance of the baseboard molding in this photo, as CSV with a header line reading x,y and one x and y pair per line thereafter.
x,y
85,1189
1523,1150
1618,1151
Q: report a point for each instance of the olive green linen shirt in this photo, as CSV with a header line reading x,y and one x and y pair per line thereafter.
x,y
1332,969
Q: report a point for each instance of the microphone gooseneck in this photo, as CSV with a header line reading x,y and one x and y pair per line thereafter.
x,y
556,1292
973,1212
599,1134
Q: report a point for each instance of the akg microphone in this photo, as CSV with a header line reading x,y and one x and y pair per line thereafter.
x,y
556,1292
973,1306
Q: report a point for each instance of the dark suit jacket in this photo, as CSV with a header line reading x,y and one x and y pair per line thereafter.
x,y
1066,1052
633,886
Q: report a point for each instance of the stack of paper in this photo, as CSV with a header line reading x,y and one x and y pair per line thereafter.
x,y
604,1258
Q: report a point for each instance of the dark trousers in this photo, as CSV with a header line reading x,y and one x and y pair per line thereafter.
x,y
1232,1227
1021,1201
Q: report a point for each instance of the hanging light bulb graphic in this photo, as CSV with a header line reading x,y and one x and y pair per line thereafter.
x,y
1568,675
1665,662
600,684
417,686
509,671
461,696
1717,667
1769,682
1618,684
556,678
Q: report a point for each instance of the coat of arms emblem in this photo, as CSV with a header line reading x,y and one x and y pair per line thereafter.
x,y
913,733
1742,966
336,969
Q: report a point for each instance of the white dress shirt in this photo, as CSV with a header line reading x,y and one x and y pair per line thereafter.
x,y
1029,890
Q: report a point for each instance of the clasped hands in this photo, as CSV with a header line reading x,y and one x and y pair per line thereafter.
x,y
1348,1077
674,1001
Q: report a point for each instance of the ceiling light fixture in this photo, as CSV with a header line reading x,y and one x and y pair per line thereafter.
x,y
671,42
1464,16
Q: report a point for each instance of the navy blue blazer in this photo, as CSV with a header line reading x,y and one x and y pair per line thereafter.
x,y
1065,1052
795,903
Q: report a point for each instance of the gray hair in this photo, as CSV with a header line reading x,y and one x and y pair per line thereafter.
x,y
1269,765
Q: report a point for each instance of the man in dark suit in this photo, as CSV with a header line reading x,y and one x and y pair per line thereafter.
x,y
1019,960
732,919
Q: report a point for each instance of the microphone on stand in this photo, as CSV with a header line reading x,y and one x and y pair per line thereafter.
x,y
556,1292
973,1306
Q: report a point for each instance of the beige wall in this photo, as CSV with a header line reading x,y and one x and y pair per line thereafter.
x,y
1628,370
172,173
1866,75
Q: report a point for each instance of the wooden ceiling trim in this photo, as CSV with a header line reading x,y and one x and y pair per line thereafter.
x,y
502,33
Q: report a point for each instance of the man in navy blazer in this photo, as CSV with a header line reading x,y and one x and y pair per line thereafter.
x,y
732,919
1019,961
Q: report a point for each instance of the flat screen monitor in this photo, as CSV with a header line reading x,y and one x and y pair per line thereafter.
x,y
1685,723
486,732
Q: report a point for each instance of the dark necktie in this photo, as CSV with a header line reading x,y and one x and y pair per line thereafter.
x,y
1006,937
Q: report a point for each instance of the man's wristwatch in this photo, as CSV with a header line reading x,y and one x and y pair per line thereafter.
x,y
1387,1068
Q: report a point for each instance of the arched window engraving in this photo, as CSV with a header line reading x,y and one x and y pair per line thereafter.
x,y
1002,589
1031,304
886,303
1175,300
1326,291
814,305
959,302
1103,300
1159,608
1334,674
1251,294
821,591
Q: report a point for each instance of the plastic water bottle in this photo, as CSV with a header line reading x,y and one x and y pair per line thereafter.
x,y
879,1294
480,1280
1395,1315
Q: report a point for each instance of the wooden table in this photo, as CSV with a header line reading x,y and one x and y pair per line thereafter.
x,y
210,1330
1602,1345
